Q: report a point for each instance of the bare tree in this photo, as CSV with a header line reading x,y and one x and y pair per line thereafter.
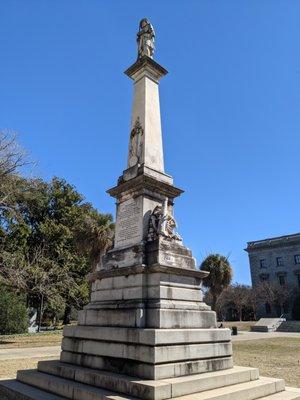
x,y
254,300
278,296
236,297
266,292
12,158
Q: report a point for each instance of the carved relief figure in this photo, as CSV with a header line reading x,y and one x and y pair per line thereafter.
x,y
155,223
136,144
170,227
145,39
162,223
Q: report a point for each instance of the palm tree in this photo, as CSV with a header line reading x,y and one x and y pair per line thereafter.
x,y
220,275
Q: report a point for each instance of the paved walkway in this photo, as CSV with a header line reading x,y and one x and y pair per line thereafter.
x,y
30,352
263,335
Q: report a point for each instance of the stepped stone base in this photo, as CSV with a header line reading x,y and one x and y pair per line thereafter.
x,y
148,353
148,322
147,334
58,381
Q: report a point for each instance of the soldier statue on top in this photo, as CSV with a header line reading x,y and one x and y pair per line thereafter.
x,y
145,39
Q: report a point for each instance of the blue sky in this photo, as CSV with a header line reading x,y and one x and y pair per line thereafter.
x,y
230,106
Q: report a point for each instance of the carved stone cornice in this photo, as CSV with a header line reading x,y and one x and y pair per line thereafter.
x,y
147,270
148,66
143,183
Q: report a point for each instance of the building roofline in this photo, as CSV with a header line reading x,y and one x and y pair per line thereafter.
x,y
272,241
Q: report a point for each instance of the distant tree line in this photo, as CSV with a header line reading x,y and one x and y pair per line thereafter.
x,y
242,302
50,238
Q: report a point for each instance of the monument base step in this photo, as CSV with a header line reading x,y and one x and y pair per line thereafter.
x,y
11,389
149,389
144,370
34,382
285,395
62,381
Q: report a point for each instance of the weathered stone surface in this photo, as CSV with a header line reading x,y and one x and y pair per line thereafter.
x,y
148,292
286,395
211,380
170,253
11,389
148,354
147,371
148,286
148,279
149,337
131,318
132,255
149,269
144,389
148,318
180,319
249,390
150,389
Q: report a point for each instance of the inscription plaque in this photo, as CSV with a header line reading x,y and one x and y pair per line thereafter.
x,y
128,224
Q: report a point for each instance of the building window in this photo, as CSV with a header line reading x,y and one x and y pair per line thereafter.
x,y
264,277
268,308
263,263
281,279
297,258
279,261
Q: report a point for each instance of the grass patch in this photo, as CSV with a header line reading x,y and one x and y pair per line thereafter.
x,y
9,368
49,338
275,357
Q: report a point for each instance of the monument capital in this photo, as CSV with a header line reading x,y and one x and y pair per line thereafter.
x,y
145,66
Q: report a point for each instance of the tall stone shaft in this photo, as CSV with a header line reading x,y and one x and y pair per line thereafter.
x,y
148,150
144,185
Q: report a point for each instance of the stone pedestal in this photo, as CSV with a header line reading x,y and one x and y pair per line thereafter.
x,y
150,322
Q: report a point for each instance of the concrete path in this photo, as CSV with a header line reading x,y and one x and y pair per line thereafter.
x,y
30,352
263,335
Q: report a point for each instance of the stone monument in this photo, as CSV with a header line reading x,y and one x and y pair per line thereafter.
x,y
146,332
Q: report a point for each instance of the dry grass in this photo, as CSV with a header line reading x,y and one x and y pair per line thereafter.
x,y
31,340
9,368
275,357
